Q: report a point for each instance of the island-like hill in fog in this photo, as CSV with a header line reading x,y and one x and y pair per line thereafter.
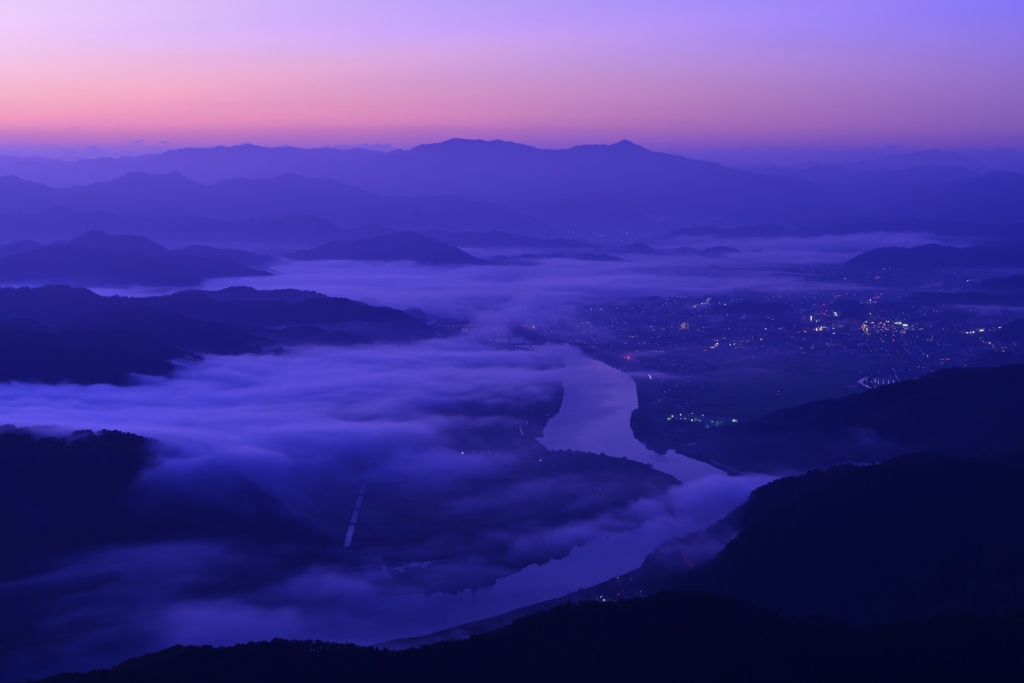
x,y
98,259
937,257
395,246
57,334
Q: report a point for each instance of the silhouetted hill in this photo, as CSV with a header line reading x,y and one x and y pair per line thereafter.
x,y
956,190
237,256
609,187
996,197
30,352
671,637
205,165
714,252
978,233
98,259
62,495
397,246
126,244
494,239
839,175
60,334
277,234
366,230
918,536
969,412
174,329
270,310
931,158
65,492
22,196
936,257
541,181
172,195
19,247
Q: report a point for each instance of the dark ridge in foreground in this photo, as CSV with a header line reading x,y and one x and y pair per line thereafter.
x,y
73,494
670,637
967,412
916,537
66,492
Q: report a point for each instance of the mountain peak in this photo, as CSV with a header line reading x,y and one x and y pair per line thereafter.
x,y
471,143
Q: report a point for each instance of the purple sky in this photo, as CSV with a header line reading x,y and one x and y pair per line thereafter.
x,y
668,74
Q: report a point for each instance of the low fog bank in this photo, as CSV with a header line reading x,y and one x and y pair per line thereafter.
x,y
378,492
548,287
246,523
543,291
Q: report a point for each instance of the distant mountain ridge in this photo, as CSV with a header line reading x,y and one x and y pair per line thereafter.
x,y
172,196
542,183
620,191
271,234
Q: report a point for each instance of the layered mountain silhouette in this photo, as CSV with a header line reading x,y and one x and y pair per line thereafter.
x,y
605,186
172,195
59,334
934,257
396,246
30,352
601,190
273,235
98,259
76,492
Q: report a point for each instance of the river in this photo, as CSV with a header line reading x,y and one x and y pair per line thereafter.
x,y
595,415
245,406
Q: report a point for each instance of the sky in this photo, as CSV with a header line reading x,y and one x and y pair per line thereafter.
x,y
668,74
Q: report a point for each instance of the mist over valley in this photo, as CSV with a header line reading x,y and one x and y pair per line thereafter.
x,y
366,418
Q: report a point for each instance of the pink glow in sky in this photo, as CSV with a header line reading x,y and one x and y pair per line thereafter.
x,y
663,73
